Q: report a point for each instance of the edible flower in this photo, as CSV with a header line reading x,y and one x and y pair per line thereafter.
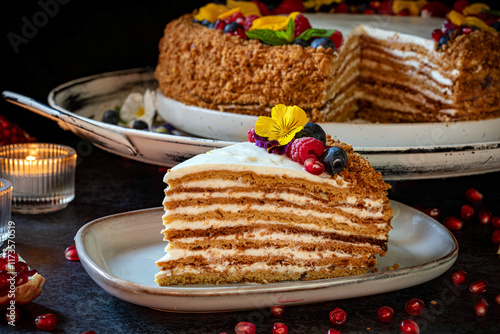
x,y
245,7
273,22
413,7
317,4
283,124
210,12
475,8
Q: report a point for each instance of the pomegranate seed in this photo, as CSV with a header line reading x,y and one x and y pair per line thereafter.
x,y
467,30
496,236
484,216
280,328
433,212
453,223
414,306
89,332
333,331
479,286
459,278
409,326
466,212
21,278
245,328
12,315
481,307
338,316
20,266
497,298
46,321
71,254
385,313
437,34
3,263
473,195
495,221
277,311
314,166
10,256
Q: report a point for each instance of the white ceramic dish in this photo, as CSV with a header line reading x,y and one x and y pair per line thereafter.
x,y
399,152
119,256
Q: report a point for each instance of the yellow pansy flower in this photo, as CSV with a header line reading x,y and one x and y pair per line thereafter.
x,y
283,124
210,12
273,22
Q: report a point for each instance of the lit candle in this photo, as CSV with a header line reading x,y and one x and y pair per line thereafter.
x,y
42,176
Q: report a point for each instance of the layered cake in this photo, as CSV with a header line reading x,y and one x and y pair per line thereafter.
x,y
387,69
296,207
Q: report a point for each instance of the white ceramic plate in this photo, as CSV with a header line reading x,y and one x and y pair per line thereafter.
x,y
119,255
398,151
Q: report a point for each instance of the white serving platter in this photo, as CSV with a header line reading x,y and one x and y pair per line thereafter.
x,y
119,255
398,151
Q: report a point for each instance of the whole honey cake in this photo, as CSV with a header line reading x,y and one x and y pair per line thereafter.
x,y
287,205
375,67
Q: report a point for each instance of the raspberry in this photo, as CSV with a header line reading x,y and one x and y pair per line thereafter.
x,y
247,23
289,6
234,18
251,135
337,39
342,8
301,25
11,133
460,5
437,34
305,148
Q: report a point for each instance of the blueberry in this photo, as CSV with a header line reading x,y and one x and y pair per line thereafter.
x,y
205,23
324,42
334,159
140,125
301,42
445,39
111,117
230,27
312,130
496,25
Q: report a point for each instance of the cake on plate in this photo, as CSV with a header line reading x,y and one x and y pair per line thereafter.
x,y
380,68
287,205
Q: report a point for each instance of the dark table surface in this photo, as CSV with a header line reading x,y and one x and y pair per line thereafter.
x,y
82,38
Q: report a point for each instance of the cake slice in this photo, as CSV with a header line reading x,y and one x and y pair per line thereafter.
x,y
242,214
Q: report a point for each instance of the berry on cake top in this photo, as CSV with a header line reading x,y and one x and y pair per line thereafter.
x,y
288,132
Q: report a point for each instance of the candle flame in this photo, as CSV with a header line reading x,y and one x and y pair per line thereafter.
x,y
30,158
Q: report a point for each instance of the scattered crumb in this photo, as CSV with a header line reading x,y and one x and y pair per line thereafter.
x,y
433,302
394,267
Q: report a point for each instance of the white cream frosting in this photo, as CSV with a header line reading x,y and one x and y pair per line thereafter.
x,y
248,157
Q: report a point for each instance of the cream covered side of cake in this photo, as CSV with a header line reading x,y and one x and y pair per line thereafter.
x,y
240,214
388,70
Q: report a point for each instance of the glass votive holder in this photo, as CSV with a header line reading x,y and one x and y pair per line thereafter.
x,y
5,208
42,176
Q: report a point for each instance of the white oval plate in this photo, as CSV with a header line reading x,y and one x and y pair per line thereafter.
x,y
398,151
119,255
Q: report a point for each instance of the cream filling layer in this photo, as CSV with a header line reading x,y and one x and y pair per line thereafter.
x,y
236,208
180,224
264,235
293,199
239,268
286,253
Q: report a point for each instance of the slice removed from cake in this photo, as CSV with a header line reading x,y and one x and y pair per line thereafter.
x,y
242,214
